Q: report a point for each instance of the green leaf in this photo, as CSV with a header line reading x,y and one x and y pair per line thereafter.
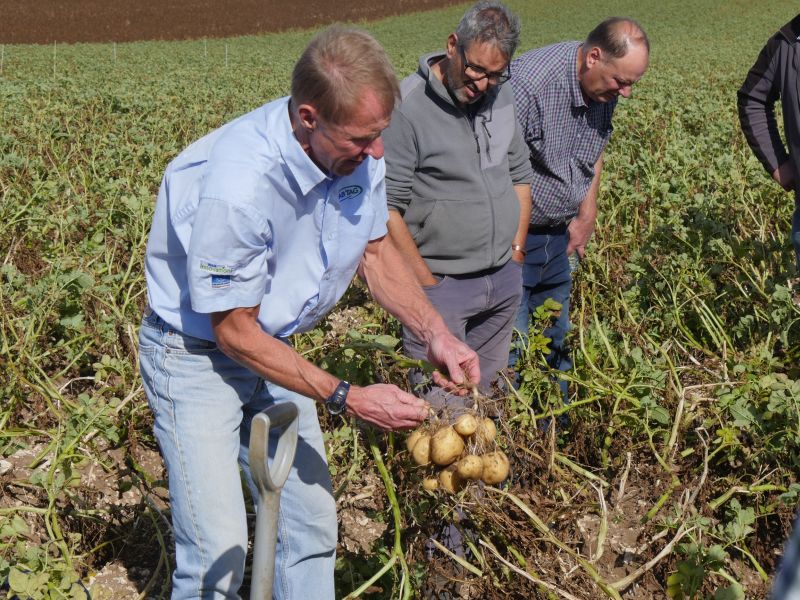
x,y
732,592
659,414
18,581
20,525
742,414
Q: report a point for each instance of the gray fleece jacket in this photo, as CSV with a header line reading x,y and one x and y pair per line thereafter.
x,y
452,176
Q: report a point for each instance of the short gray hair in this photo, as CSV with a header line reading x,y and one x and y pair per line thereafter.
x,y
616,35
335,69
490,22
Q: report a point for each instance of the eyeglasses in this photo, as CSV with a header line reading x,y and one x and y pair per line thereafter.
x,y
476,73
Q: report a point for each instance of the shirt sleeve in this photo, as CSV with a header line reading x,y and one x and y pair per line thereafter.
x,y
378,199
401,161
756,102
227,257
519,161
528,113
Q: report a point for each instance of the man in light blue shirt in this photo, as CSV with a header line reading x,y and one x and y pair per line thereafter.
x,y
258,230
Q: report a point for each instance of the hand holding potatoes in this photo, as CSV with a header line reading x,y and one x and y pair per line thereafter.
x,y
387,406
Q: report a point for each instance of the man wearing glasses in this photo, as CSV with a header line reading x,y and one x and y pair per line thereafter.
x,y
565,95
458,187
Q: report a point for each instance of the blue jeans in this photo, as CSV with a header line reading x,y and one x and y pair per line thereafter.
x,y
203,403
546,274
786,585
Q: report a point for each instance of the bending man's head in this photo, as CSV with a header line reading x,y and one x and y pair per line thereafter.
x,y
343,92
479,50
613,58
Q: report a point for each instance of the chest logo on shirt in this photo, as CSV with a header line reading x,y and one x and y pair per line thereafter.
x,y
351,191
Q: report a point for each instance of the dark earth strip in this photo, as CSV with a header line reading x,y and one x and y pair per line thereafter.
x,y
71,21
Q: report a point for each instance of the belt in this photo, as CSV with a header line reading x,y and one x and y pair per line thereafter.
x,y
482,273
548,229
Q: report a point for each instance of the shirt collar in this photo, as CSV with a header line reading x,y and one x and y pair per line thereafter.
x,y
573,82
307,174
791,31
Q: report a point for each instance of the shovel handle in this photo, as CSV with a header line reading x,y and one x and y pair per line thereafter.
x,y
278,415
269,484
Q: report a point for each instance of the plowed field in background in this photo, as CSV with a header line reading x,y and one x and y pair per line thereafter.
x,y
70,21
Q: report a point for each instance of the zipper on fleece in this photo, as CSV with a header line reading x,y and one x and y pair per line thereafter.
x,y
471,122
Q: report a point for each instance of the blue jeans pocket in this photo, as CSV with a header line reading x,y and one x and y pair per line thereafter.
x,y
180,343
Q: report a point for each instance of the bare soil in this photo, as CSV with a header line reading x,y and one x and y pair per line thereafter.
x,y
49,21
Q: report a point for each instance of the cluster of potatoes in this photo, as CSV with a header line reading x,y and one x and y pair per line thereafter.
x,y
460,452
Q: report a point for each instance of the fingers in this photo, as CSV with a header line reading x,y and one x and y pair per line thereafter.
x,y
450,386
388,407
410,411
473,369
447,385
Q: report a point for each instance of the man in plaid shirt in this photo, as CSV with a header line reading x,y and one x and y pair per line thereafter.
x,y
565,96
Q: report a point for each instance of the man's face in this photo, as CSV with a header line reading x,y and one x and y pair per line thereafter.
x,y
340,149
606,78
473,70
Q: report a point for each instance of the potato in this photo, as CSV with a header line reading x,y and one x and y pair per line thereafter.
x,y
413,438
470,467
446,446
466,425
486,432
421,452
450,481
430,484
495,467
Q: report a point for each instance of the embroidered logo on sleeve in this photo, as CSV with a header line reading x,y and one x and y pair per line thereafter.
x,y
220,274
215,269
351,191
220,281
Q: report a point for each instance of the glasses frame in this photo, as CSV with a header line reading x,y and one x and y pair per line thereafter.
x,y
494,78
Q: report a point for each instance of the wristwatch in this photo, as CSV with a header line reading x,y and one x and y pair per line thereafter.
x,y
337,401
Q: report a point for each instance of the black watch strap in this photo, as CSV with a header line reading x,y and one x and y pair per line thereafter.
x,y
337,401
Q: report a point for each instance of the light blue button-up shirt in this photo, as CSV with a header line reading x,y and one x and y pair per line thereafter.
x,y
245,218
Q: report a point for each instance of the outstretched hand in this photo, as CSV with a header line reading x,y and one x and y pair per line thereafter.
x,y
458,360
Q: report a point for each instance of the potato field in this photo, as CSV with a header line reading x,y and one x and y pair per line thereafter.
x,y
677,474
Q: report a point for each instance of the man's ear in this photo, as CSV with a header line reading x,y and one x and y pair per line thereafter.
x,y
307,117
594,56
452,46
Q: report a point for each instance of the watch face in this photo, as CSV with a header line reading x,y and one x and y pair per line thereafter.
x,y
335,405
337,402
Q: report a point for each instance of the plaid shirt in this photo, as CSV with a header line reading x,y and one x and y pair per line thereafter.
x,y
565,135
